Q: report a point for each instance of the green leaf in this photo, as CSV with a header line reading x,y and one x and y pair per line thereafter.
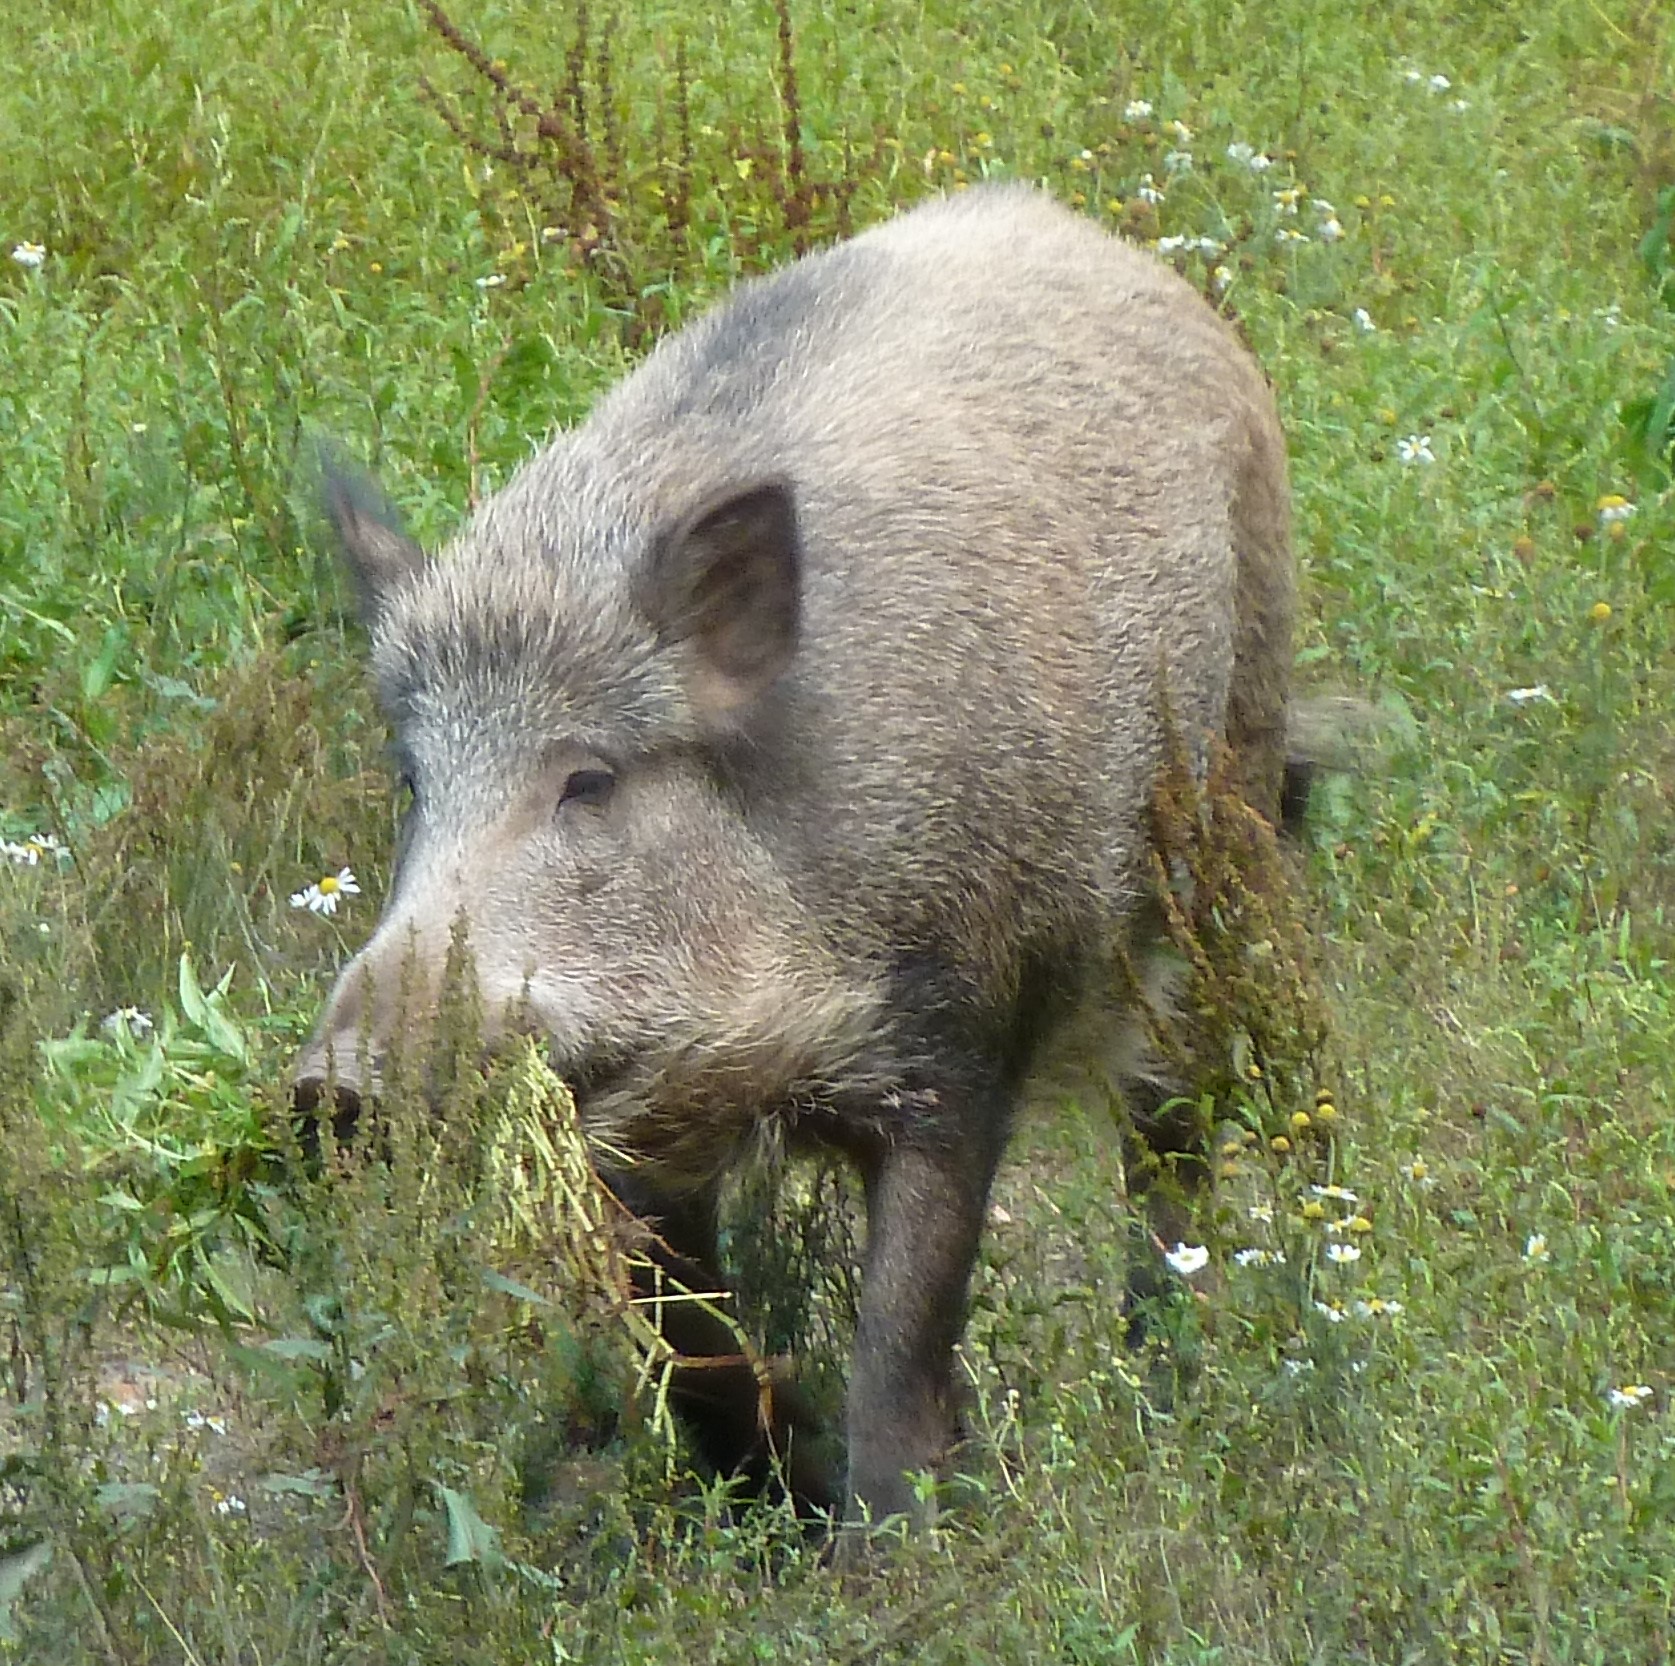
x,y
127,1500
312,1483
16,1568
297,1347
100,671
206,1014
234,1294
511,1287
470,1538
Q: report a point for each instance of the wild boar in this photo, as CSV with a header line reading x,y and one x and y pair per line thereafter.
x,y
783,738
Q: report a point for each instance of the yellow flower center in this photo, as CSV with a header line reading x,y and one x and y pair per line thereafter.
x,y
329,885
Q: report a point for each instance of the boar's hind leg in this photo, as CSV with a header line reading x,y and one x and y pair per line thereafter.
x,y
1166,1162
768,1441
924,1217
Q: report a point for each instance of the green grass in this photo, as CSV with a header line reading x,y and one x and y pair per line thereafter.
x,y
258,228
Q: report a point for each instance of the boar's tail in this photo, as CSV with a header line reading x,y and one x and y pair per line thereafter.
x,y
1331,732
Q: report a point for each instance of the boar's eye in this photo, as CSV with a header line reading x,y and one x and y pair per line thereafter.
x,y
588,786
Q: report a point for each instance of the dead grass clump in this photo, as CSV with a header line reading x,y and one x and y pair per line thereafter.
x,y
633,203
1249,1026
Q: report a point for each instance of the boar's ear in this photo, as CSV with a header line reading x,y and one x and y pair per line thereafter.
x,y
375,551
726,579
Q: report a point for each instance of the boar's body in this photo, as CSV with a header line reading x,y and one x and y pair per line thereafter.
x,y
786,733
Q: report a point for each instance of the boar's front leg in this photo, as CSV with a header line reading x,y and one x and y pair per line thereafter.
x,y
765,1440
925,1207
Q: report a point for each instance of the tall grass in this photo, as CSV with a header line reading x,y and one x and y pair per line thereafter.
x,y
233,1433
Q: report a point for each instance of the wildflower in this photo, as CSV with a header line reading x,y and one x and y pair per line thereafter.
x,y
32,255
1324,1108
1343,1254
1313,1210
493,281
1280,1144
1535,1247
1439,83
1221,278
1262,1212
1600,612
1416,448
1168,245
1260,164
1337,1194
323,896
1255,1257
1364,321
27,852
1613,507
1459,106
1332,1312
129,1020
1187,1259
1296,1367
1241,153
1413,75
1357,1224
1148,191
195,1420
1300,1120
1329,230
1377,1308
1524,696
1286,200
230,1505
1629,1396
1290,234
1137,109
1182,133
1178,162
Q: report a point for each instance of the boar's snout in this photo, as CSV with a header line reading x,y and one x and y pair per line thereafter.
x,y
309,1091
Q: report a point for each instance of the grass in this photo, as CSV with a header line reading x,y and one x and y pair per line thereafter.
x,y
257,226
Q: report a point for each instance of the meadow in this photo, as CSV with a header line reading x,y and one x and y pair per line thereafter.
x,y
1421,1404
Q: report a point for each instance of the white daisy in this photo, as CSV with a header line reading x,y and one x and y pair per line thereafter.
x,y
1187,1259
323,896
129,1019
1338,1194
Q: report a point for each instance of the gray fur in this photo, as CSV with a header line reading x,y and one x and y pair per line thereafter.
x,y
882,762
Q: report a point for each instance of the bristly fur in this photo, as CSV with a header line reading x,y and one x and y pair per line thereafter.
x,y
787,734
